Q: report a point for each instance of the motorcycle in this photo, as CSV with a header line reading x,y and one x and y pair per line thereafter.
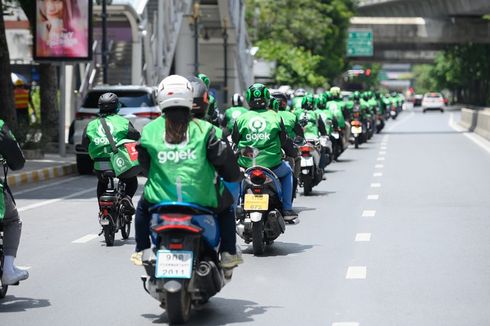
x,y
336,138
260,221
380,122
113,215
311,173
393,112
183,267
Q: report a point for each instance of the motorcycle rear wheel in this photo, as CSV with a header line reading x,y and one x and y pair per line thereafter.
x,y
126,230
307,186
356,142
109,235
3,288
178,307
258,243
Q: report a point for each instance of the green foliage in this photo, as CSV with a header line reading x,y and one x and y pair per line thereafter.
x,y
305,37
424,79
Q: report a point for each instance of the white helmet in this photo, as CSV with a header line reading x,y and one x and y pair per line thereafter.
x,y
175,91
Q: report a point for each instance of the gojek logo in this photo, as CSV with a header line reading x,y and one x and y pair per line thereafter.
x,y
176,155
235,115
102,139
257,126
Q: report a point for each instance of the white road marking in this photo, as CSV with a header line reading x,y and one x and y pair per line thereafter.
x,y
52,201
474,137
368,213
86,238
377,174
46,186
382,153
373,197
384,147
346,323
375,185
379,166
393,126
363,237
380,158
356,273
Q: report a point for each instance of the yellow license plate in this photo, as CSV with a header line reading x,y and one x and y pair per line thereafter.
x,y
256,202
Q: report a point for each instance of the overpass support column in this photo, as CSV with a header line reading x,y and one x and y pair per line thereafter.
x,y
184,54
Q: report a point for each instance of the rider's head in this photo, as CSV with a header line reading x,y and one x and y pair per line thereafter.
x,y
205,79
274,104
366,96
356,96
300,92
282,99
237,100
109,104
328,96
307,102
200,97
321,102
335,91
175,98
258,96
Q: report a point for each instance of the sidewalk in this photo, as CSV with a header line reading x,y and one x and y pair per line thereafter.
x,y
52,166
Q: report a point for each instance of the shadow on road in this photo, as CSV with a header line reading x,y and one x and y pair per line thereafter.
x,y
318,193
427,132
280,249
345,160
17,304
219,311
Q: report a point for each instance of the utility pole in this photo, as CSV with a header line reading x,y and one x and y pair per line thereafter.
x,y
196,13
225,63
104,41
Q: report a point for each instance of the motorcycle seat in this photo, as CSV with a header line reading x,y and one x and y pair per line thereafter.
x,y
108,174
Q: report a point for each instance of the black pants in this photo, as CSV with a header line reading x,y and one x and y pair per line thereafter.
x,y
226,221
131,185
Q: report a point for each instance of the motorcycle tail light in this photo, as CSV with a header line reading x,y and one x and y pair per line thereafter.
x,y
258,176
356,114
356,123
257,190
176,222
176,246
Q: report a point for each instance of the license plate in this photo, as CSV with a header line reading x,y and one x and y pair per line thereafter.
x,y
356,130
173,264
256,202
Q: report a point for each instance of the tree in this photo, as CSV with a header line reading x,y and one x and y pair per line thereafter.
x,y
304,55
7,106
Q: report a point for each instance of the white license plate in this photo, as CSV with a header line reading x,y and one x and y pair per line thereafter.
x,y
173,264
356,130
307,161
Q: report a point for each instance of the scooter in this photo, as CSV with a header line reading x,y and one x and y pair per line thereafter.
x,y
311,173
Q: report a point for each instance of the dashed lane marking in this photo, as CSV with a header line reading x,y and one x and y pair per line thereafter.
x,y
384,148
377,174
86,238
346,323
52,201
363,237
382,153
380,158
368,213
375,185
373,197
356,273
379,166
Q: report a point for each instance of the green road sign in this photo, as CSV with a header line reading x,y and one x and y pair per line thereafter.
x,y
360,43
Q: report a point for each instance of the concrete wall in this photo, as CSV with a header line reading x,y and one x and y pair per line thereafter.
x,y
477,121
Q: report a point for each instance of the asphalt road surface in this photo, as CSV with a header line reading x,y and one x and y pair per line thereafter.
x,y
396,235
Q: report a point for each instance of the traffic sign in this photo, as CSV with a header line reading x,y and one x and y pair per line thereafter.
x,y
360,43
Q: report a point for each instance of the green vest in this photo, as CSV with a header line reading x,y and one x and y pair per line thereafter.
x,y
180,172
327,118
311,127
231,114
296,104
336,106
99,147
260,129
289,120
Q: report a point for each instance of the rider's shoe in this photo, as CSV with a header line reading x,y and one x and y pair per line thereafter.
x,y
128,205
289,215
230,261
11,274
136,258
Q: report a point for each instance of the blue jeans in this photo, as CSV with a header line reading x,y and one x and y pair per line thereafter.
x,y
285,175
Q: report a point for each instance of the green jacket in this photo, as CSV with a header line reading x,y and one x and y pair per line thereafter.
x,y
231,114
327,118
262,129
336,107
291,124
14,159
186,172
309,121
95,139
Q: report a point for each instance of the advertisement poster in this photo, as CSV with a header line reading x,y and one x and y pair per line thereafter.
x,y
63,30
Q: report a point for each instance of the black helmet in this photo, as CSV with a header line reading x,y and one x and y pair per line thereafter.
x,y
274,104
258,96
200,100
108,103
237,100
281,98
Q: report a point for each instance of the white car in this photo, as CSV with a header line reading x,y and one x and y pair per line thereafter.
x,y
433,101
138,105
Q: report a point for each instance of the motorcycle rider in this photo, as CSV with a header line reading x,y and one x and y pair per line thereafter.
x,y
233,112
95,140
199,155
298,98
262,129
339,111
214,115
11,153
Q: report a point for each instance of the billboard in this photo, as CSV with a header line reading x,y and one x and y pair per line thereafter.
x,y
63,30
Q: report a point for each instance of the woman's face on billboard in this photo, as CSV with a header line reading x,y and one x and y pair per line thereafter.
x,y
53,8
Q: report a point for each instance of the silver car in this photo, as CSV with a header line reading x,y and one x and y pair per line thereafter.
x,y
138,105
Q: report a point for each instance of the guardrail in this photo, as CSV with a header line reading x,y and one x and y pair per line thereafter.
x,y
477,120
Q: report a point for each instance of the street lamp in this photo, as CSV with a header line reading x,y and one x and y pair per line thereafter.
x,y
225,55
196,14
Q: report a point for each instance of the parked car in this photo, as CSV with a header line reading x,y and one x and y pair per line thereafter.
x,y
138,105
433,101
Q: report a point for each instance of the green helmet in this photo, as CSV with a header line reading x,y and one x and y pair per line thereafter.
x,y
365,96
307,102
356,96
321,102
328,96
274,104
205,79
258,96
335,91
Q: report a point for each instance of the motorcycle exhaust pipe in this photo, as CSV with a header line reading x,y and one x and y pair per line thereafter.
x,y
209,281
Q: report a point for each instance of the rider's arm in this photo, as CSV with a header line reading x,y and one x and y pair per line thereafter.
x,y
286,142
321,127
85,139
235,134
298,130
10,149
143,159
220,154
133,133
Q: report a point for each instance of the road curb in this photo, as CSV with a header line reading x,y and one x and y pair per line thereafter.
x,y
41,174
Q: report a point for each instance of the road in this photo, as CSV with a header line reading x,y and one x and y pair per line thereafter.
x,y
396,235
